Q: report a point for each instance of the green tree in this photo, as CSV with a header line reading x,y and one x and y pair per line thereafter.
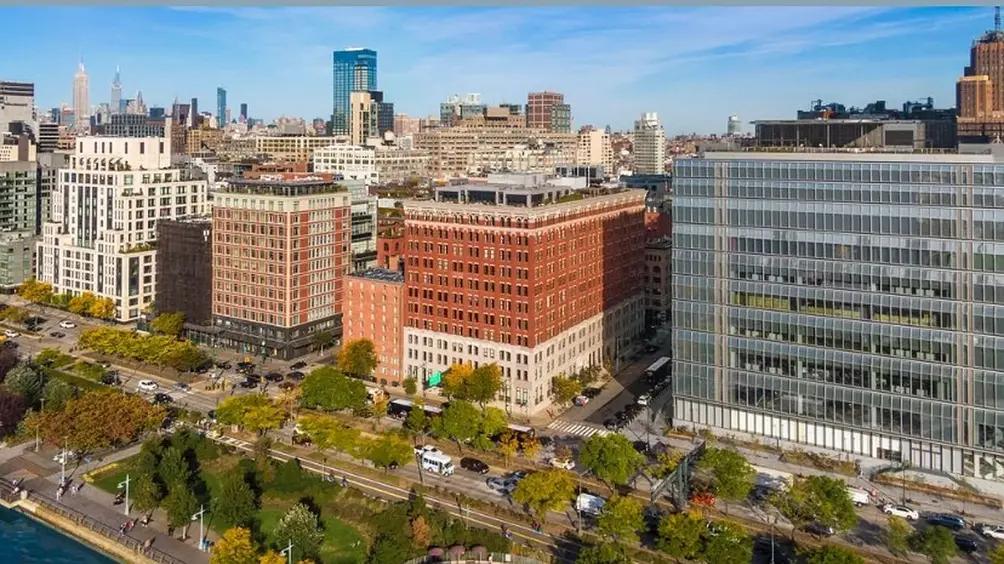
x,y
148,459
180,504
680,535
484,384
35,291
417,420
8,359
328,432
264,418
997,555
174,470
254,411
611,458
97,419
146,493
410,385
551,489
235,505
508,445
459,422
389,548
388,450
57,392
832,554
493,422
936,543
564,390
235,546
169,323
728,544
603,553
102,308
358,357
300,526
454,382
588,375
327,388
897,536
323,340
731,475
621,519
818,498
27,381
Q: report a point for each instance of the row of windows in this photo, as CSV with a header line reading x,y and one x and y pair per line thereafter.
x,y
841,171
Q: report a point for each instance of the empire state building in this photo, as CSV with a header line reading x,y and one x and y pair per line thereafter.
x,y
81,102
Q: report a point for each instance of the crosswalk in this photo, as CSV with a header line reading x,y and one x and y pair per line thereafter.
x,y
580,429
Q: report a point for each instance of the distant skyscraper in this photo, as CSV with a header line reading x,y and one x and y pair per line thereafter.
x,y
17,103
734,126
244,113
649,145
353,70
194,113
116,102
221,108
979,93
81,102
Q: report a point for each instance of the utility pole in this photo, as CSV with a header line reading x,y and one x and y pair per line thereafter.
x,y
199,515
125,485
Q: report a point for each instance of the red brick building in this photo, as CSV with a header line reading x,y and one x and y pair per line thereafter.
x,y
280,255
374,310
540,279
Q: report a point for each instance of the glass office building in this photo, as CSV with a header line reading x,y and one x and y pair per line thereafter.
x,y
853,302
221,108
354,70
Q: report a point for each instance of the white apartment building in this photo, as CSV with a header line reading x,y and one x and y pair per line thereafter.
x,y
649,145
373,164
102,234
595,148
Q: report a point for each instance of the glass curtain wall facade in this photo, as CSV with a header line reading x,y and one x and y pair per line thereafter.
x,y
850,302
221,108
353,70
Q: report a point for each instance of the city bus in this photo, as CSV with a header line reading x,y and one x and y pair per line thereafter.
x,y
658,371
522,432
399,408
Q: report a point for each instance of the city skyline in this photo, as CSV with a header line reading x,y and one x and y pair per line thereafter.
x,y
678,62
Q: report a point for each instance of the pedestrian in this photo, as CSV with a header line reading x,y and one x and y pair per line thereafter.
x,y
345,482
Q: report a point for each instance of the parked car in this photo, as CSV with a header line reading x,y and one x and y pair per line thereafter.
x,y
57,334
613,424
111,379
245,367
545,442
10,333
67,324
565,463
644,399
160,398
473,465
223,365
295,375
287,385
580,400
901,511
591,393
819,529
947,520
182,387
274,377
147,386
967,543
298,365
990,531
248,383
419,451
497,484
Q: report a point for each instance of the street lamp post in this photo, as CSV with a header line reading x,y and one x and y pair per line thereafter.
x,y
125,485
288,552
199,515
62,463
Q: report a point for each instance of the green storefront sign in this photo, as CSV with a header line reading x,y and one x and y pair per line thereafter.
x,y
434,380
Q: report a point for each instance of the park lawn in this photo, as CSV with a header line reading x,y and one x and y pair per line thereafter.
x,y
342,543
109,481
82,383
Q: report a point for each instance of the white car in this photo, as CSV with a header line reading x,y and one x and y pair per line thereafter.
x,y
992,531
564,463
10,333
644,399
67,324
900,511
147,386
419,451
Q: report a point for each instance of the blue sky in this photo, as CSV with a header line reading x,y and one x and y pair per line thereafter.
x,y
695,66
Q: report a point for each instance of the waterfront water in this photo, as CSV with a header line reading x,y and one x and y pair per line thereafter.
x,y
24,540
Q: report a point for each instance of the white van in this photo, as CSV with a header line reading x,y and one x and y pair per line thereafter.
x,y
436,461
589,504
375,395
859,497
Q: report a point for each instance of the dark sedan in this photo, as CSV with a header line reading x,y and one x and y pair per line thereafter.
x,y
274,377
161,398
474,465
295,375
298,365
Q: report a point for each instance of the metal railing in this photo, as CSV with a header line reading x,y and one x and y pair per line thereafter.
x,y
475,557
83,520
